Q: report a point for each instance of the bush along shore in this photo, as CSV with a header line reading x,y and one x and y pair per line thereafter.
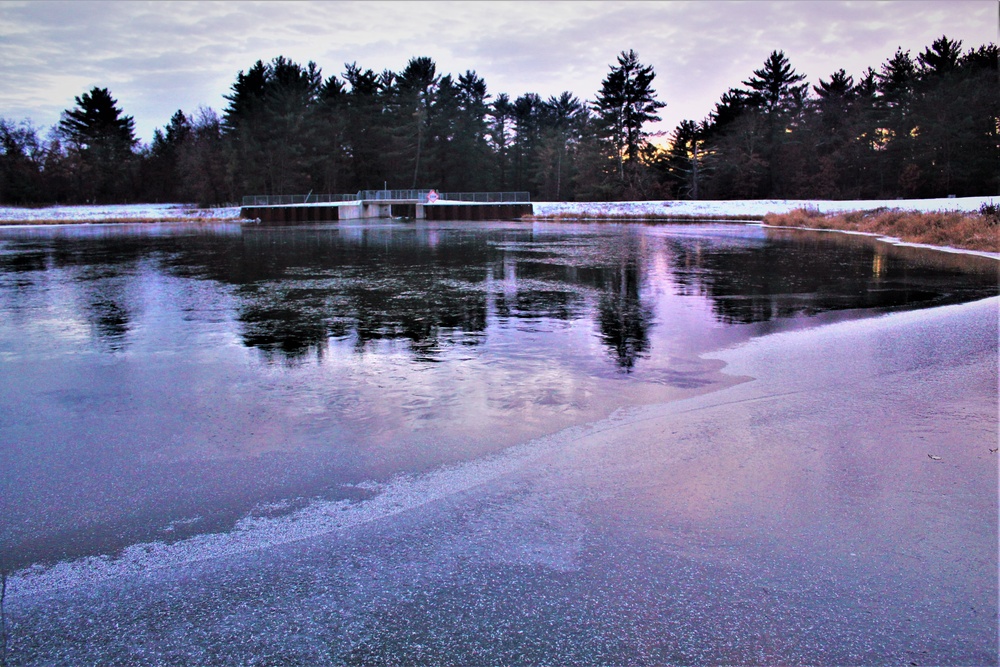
x,y
966,230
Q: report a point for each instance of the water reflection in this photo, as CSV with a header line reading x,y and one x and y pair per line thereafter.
x,y
784,274
178,376
297,288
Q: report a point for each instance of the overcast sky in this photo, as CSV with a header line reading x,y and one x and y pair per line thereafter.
x,y
157,57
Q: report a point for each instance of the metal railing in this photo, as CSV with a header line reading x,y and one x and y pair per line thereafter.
x,y
284,200
381,195
385,195
486,197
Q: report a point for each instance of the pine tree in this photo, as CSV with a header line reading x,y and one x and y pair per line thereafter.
x,y
840,86
417,84
368,104
941,57
778,96
685,160
104,142
159,173
500,123
563,123
333,173
896,78
624,104
96,120
270,126
526,112
473,162
775,87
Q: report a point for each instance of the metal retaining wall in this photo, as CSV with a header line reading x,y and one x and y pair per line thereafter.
x,y
290,215
476,211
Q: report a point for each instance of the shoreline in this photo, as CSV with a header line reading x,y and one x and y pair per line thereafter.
x,y
891,240
802,214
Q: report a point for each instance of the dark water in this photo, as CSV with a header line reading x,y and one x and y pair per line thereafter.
x,y
161,381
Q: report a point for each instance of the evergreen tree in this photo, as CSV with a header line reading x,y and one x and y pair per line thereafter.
x,y
733,104
894,133
442,151
953,147
333,169
243,122
270,126
683,165
624,104
775,94
418,84
366,131
103,140
896,78
500,121
527,113
775,87
462,159
291,126
160,173
471,132
563,123
940,58
839,87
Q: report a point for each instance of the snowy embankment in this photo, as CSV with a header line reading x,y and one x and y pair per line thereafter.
x,y
751,208
119,213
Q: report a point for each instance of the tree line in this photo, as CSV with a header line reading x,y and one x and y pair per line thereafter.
x,y
915,127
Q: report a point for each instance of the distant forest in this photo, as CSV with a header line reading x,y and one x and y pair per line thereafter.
x,y
927,126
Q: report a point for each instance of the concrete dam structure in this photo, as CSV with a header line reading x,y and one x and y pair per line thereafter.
x,y
386,204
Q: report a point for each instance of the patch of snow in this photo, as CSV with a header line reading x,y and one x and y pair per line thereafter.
x,y
115,212
754,207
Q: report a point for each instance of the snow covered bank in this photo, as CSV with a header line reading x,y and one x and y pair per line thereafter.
x,y
751,208
119,213
729,208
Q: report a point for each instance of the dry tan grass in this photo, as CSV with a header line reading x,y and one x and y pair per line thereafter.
x,y
972,231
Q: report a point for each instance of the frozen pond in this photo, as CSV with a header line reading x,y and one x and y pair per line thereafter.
x,y
165,380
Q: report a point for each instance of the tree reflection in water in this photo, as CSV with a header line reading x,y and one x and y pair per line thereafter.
x,y
298,288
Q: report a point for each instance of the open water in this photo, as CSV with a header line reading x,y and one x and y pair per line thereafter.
x,y
162,381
